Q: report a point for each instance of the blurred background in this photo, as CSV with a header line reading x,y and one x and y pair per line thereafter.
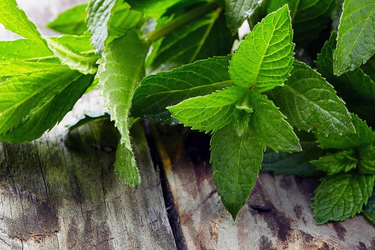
x,y
40,12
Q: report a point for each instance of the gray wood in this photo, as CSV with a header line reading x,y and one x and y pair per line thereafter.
x,y
55,197
277,214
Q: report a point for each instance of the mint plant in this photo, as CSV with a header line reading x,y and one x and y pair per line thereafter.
x,y
171,62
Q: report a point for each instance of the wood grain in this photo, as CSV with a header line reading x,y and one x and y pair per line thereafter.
x,y
58,197
277,214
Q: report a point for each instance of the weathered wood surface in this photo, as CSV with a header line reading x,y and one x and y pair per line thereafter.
x,y
55,197
276,216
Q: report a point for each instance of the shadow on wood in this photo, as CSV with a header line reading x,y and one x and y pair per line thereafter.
x,y
277,214
55,197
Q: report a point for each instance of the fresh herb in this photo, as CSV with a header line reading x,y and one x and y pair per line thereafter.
x,y
171,62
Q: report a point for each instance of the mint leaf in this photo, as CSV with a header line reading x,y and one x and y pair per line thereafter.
x,y
264,59
363,136
81,44
241,120
99,13
71,22
235,164
9,68
343,161
119,71
33,103
356,35
367,160
355,87
239,11
156,92
125,165
369,67
9,12
206,37
309,18
336,15
74,51
292,4
270,126
157,8
369,209
64,49
293,163
24,49
210,112
341,196
310,102
123,19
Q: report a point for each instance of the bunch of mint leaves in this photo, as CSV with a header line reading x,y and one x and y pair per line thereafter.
x,y
171,62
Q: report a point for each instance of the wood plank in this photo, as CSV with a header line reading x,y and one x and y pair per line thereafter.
x,y
53,197
58,197
276,216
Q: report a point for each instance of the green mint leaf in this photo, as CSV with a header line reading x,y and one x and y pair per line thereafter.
x,y
24,49
336,15
210,112
242,114
236,161
341,196
310,102
154,50
65,48
15,20
293,163
33,103
123,19
241,121
74,51
369,67
363,136
343,161
80,44
125,165
270,126
99,13
292,4
201,39
71,22
264,59
119,71
369,209
309,17
88,119
355,87
310,20
14,67
367,160
156,92
356,35
157,8
238,11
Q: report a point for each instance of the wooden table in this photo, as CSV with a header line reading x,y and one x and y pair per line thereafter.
x,y
63,194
